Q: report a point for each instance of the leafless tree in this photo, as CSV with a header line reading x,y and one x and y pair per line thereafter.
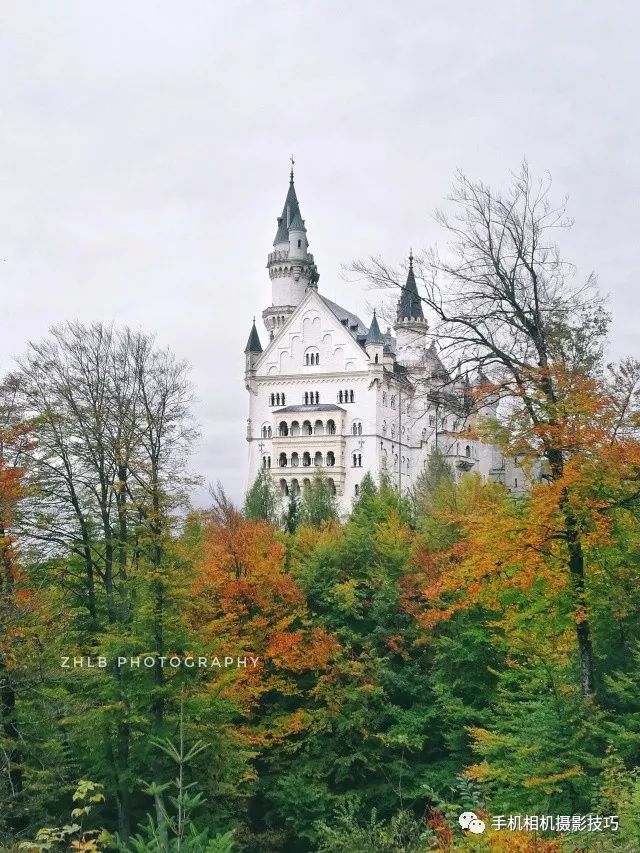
x,y
502,301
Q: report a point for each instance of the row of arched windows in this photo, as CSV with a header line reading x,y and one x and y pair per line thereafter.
x,y
311,398
346,397
306,460
312,358
357,460
356,428
266,462
294,488
277,400
266,431
318,428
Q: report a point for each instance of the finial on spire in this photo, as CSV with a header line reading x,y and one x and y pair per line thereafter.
x,y
293,163
411,258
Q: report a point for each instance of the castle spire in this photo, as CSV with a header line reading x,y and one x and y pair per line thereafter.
x,y
290,212
374,335
253,344
410,304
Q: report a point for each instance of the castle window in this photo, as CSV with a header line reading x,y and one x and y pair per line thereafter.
x,y
299,243
331,459
295,487
356,428
269,431
283,429
317,459
339,396
306,398
332,486
312,357
264,461
306,428
283,487
295,428
283,460
295,460
356,489
306,460
317,396
467,451
516,482
318,428
268,462
351,397
331,427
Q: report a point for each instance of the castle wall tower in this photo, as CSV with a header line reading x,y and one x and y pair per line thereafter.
x,y
290,264
411,326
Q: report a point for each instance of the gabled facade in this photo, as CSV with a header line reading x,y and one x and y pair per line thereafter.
x,y
329,392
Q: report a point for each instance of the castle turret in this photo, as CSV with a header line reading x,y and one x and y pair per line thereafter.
x,y
291,266
411,326
252,350
374,343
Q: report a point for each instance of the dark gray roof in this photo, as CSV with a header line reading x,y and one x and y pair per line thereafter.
x,y
374,335
343,315
317,407
296,223
410,304
253,344
289,211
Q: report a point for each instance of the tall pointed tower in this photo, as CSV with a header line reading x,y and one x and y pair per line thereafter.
x,y
410,326
290,264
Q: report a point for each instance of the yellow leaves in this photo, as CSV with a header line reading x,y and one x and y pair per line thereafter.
x,y
549,783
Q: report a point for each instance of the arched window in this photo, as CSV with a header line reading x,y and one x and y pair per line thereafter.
x,y
354,460
306,460
351,396
312,357
359,428
277,399
283,400
318,428
269,432
331,427
295,460
264,431
339,396
268,462
264,461
376,361
295,487
306,398
272,400
306,483
467,452
306,428
283,460
356,428
317,397
356,489
283,429
295,428
283,487
331,459
317,459
332,486
359,460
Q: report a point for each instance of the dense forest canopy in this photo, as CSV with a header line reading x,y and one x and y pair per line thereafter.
x,y
274,678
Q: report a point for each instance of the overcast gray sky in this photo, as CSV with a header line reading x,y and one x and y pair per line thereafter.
x,y
144,156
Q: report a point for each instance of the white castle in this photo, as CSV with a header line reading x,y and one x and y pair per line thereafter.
x,y
329,392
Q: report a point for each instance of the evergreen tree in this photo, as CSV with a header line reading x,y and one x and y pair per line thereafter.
x,y
261,502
